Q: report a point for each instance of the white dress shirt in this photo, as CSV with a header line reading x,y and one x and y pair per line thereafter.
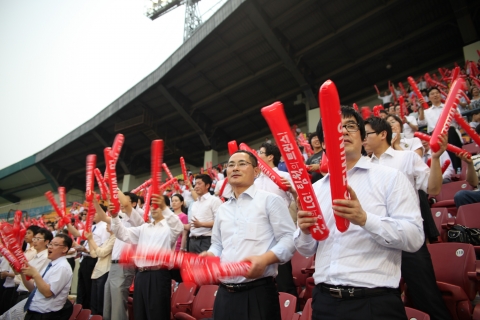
x,y
187,195
5,266
59,277
255,223
411,144
39,262
100,235
227,192
407,130
431,116
368,256
134,220
150,237
265,183
204,210
407,162
443,157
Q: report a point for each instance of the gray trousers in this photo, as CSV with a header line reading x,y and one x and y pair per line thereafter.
x,y
116,292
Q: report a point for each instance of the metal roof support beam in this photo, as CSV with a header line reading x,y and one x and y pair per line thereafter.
x,y
50,178
9,192
259,20
464,21
11,198
185,115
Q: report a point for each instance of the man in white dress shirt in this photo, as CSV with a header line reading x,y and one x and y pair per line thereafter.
x,y
417,267
253,225
449,172
357,272
201,215
48,297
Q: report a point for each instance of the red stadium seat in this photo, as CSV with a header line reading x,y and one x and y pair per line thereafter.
x,y
302,268
296,316
288,304
469,216
309,285
96,317
414,314
456,273
445,198
130,308
76,310
202,306
84,315
307,310
182,298
440,216
473,148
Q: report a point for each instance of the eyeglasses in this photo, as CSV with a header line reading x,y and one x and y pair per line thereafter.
x,y
351,127
367,133
240,164
55,245
261,152
37,239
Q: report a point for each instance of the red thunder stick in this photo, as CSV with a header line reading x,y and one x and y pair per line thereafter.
x,y
142,186
376,89
8,237
442,73
447,115
17,219
220,193
275,117
365,111
356,107
412,83
167,183
184,169
429,162
404,92
156,160
402,106
324,163
465,96
472,133
450,147
455,73
201,170
394,95
146,207
333,131
90,215
167,171
91,165
445,165
232,147
101,183
473,69
117,146
10,258
63,206
112,176
376,111
432,82
269,172
51,198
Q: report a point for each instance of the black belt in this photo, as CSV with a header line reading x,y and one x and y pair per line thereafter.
x,y
345,292
115,261
23,293
89,257
239,287
154,268
201,237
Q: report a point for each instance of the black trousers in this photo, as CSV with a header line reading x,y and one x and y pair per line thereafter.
x,y
382,307
84,287
98,288
454,139
198,245
284,279
22,295
9,298
258,303
418,273
152,295
62,314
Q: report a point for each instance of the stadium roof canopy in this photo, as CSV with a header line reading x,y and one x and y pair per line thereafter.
x,y
249,54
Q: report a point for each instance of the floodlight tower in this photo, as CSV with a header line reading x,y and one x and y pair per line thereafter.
x,y
157,8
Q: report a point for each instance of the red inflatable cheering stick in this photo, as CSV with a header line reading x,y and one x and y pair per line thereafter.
x,y
450,147
415,89
112,177
184,169
146,207
144,185
117,146
51,198
447,115
269,172
156,168
333,131
101,184
10,258
232,147
465,126
91,165
12,245
63,206
275,117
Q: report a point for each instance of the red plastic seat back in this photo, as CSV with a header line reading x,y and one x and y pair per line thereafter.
x,y
440,216
203,303
300,262
309,285
184,294
130,308
96,317
76,310
288,304
469,215
452,261
84,314
307,310
473,148
450,189
416,314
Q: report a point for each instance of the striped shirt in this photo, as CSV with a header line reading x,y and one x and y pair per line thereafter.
x,y
368,256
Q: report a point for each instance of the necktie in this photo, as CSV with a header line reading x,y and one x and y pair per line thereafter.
x,y
30,297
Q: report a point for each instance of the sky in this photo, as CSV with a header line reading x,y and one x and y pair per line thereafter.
x,y
63,61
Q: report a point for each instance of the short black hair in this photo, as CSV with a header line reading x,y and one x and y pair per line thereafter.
x,y
133,197
205,178
477,129
271,149
167,200
396,119
310,138
47,235
383,111
253,158
379,125
34,229
431,89
141,198
67,241
347,112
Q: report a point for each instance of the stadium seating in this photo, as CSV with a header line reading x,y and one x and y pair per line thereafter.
x,y
84,315
445,198
440,216
469,216
288,304
302,268
473,148
76,310
202,306
182,298
414,314
456,273
307,311
96,317
130,308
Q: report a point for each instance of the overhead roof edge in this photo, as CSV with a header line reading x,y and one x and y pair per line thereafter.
x,y
201,33
20,165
